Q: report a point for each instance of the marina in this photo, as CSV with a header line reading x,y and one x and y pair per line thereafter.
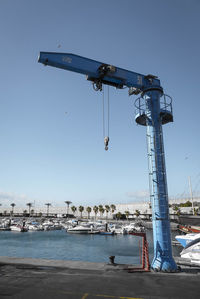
x,y
92,240
62,241
100,179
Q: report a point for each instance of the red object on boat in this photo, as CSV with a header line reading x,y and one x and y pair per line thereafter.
x,y
189,229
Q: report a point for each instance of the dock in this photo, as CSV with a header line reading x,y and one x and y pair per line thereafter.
x,y
23,278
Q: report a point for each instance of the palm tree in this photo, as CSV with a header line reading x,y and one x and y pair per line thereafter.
x,y
196,211
81,209
113,208
177,210
119,215
68,203
29,204
107,208
13,205
48,204
24,212
95,209
101,210
127,213
137,213
89,211
73,208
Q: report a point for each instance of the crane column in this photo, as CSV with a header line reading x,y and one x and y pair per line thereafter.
x,y
151,114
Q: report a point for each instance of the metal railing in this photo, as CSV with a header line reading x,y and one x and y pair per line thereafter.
x,y
165,105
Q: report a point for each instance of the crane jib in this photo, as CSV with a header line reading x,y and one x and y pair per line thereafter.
x,y
95,70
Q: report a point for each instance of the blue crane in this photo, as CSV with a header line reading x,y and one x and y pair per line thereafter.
x,y
153,109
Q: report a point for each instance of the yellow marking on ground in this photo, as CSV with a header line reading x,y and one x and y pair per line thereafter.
x,y
99,295
85,296
108,296
105,296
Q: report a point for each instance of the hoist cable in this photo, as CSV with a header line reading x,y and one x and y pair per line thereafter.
x,y
106,116
103,112
108,110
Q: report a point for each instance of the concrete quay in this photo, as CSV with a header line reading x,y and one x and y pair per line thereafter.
x,y
26,278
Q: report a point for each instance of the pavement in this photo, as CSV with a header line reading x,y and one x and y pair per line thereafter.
x,y
26,278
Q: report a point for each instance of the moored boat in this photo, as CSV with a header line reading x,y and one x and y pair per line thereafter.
x,y
118,229
189,219
106,233
35,227
184,240
18,228
192,251
79,229
134,227
189,229
4,228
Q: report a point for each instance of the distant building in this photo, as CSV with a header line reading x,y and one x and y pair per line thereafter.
x,y
143,207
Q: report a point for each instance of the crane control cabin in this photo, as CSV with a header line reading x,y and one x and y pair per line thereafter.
x,y
153,109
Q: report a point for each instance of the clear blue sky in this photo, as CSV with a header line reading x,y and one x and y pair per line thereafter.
x,y
51,120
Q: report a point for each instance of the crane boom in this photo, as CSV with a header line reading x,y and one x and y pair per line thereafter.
x,y
97,71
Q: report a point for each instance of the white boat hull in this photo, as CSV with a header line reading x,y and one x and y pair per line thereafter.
x,y
192,251
18,228
78,231
82,230
184,240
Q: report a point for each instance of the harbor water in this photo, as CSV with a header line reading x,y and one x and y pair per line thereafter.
x,y
60,245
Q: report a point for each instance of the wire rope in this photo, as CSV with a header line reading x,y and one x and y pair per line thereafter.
x,y
103,108
106,116
108,110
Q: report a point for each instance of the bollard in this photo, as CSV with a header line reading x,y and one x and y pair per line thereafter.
x,y
112,259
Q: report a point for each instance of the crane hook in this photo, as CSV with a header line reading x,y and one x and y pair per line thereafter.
x,y
97,85
106,140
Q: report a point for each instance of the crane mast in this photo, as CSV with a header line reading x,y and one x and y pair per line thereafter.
x,y
153,109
